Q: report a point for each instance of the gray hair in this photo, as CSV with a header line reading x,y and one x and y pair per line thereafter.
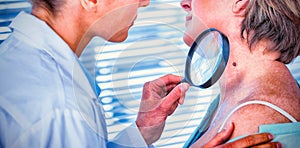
x,y
274,21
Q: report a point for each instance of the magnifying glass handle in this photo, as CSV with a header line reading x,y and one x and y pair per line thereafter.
x,y
184,80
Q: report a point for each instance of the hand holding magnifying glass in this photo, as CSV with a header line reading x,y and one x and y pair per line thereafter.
x,y
207,59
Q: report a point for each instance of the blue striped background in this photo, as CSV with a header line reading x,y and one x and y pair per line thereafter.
x,y
154,48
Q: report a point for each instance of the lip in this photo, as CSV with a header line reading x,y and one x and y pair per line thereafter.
x,y
188,17
132,23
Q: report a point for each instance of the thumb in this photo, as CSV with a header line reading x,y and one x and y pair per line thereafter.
x,y
221,137
178,92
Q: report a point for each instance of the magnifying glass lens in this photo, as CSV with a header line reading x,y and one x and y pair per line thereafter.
x,y
207,58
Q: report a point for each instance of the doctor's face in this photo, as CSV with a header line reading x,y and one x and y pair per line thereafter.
x,y
122,14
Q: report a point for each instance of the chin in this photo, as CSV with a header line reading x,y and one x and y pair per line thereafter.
x,y
118,40
119,37
188,40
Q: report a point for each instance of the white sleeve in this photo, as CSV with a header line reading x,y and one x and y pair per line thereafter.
x,y
59,129
129,137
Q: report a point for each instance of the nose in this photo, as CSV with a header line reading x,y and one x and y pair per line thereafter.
x,y
144,3
186,5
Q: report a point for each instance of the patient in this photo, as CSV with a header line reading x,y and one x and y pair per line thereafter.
x,y
257,88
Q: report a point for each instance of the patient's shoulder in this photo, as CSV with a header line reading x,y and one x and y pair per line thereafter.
x,y
249,116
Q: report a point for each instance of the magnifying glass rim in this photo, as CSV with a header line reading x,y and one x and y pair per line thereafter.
x,y
222,64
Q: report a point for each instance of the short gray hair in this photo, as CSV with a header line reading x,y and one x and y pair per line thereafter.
x,y
278,23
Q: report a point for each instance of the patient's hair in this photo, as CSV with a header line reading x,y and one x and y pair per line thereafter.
x,y
275,21
52,6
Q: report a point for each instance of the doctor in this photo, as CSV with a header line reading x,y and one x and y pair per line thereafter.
x,y
48,99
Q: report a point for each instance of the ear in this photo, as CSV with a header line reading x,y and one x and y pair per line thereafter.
x,y
239,7
89,4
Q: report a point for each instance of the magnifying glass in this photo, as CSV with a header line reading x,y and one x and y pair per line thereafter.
x,y
207,59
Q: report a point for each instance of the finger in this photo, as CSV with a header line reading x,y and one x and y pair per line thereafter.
x,y
251,140
181,100
170,87
173,108
269,145
175,94
221,137
167,80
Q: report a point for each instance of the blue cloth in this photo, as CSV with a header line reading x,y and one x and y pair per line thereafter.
x,y
204,124
47,98
288,134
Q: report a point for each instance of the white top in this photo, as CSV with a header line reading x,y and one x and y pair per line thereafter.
x,y
284,113
47,99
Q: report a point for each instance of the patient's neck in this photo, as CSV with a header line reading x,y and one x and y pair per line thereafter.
x,y
246,70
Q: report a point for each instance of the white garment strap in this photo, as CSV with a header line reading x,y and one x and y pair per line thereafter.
x,y
284,113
